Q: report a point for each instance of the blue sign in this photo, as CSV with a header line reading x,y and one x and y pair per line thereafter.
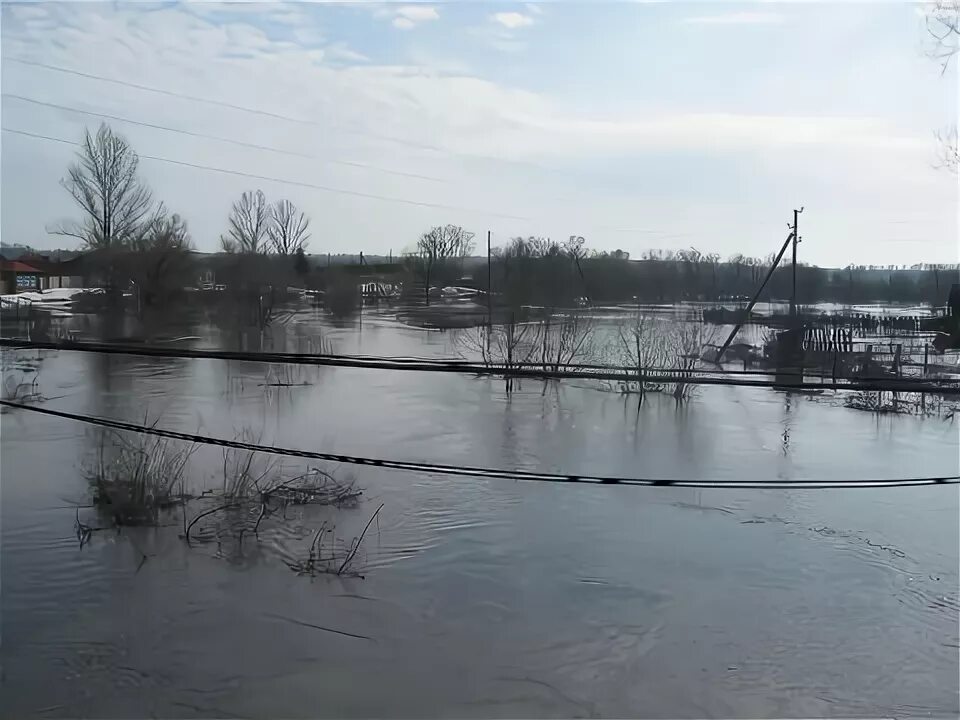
x,y
26,282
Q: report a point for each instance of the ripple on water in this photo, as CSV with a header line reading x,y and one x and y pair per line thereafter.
x,y
604,602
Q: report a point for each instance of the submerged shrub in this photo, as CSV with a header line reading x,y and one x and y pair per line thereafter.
x,y
134,478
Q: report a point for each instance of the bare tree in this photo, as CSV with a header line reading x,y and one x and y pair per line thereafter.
x,y
249,224
565,341
738,260
104,182
949,150
531,247
508,345
943,25
159,265
655,344
713,260
288,228
575,248
440,244
164,232
642,345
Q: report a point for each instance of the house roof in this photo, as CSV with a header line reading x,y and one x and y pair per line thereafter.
x,y
16,266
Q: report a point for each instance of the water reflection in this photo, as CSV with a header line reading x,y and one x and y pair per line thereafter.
x,y
787,398
487,598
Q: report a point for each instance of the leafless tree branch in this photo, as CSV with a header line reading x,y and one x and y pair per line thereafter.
x,y
949,153
287,230
439,244
248,225
943,25
104,183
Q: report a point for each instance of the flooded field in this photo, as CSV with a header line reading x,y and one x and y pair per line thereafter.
x,y
483,598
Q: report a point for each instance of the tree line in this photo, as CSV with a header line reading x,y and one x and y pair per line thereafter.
x,y
139,241
133,240
540,271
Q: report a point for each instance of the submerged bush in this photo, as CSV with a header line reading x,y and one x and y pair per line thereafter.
x,y
133,479
20,377
650,342
902,403
342,296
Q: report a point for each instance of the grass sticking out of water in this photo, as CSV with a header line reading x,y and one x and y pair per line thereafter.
x,y
903,403
133,479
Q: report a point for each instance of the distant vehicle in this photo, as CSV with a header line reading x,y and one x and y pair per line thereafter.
x,y
457,293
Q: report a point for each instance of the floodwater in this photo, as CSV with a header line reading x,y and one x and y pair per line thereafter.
x,y
486,598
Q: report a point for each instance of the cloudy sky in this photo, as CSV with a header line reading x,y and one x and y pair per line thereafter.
x,y
636,125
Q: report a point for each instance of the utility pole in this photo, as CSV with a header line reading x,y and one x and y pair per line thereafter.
x,y
489,282
796,239
756,296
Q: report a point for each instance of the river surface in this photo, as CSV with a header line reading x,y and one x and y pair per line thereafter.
x,y
485,598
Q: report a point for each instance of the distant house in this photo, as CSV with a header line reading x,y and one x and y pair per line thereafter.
x,y
49,268
17,276
56,271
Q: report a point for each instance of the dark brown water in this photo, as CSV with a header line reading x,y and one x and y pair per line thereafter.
x,y
487,598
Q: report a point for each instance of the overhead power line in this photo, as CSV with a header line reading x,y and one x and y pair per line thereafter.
x,y
576,370
296,183
231,141
466,368
279,116
480,472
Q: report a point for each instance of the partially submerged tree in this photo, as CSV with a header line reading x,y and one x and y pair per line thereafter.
x,y
161,266
439,244
116,204
576,250
287,230
301,265
534,270
248,225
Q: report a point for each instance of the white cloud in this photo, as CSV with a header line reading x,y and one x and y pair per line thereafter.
x,y
498,37
713,132
418,13
487,138
501,32
407,17
30,11
340,51
430,61
512,20
736,18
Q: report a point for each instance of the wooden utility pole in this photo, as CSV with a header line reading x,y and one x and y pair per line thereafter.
x,y
796,239
489,282
756,296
